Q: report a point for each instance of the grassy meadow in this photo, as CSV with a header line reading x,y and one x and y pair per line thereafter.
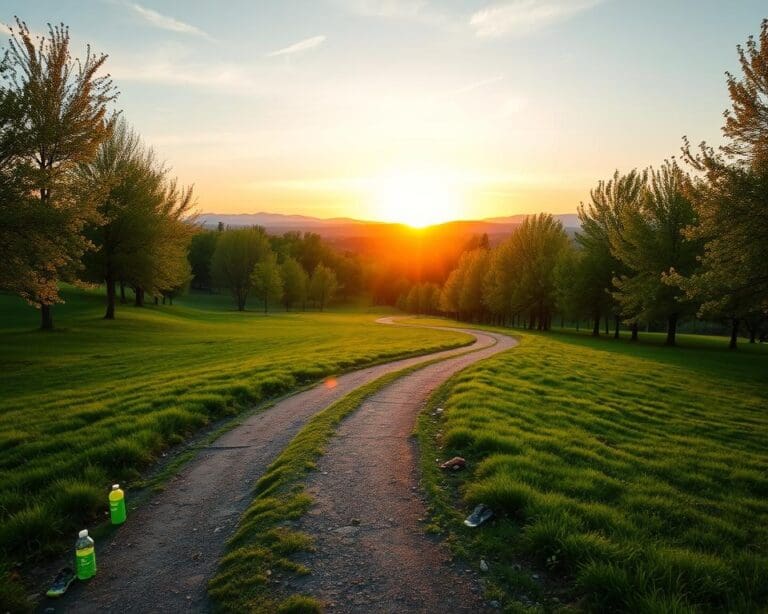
x,y
624,477
95,401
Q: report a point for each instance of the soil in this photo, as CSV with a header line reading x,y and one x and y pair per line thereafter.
x,y
163,557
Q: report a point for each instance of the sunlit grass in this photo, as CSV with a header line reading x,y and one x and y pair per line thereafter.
x,y
96,402
625,477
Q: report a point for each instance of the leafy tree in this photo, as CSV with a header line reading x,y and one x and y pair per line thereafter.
x,y
536,245
123,174
322,286
170,273
237,252
730,200
500,283
572,285
295,282
600,231
201,249
474,264
63,121
267,280
451,293
651,244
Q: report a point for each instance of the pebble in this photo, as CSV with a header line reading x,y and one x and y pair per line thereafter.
x,y
483,566
495,604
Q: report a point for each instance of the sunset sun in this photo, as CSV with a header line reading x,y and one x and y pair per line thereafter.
x,y
416,199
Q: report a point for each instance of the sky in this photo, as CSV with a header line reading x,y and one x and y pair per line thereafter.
x,y
409,110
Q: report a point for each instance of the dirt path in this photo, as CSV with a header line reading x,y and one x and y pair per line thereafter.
x,y
161,560
372,552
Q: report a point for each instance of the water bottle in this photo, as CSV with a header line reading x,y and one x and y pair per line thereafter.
x,y
85,556
117,505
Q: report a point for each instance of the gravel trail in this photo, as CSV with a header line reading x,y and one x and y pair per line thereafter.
x,y
372,553
163,557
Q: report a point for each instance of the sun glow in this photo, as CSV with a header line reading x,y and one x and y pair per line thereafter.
x,y
417,199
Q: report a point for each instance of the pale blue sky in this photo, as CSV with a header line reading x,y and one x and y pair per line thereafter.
x,y
320,107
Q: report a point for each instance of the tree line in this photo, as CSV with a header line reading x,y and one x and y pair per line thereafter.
x,y
82,199
293,269
661,244
298,270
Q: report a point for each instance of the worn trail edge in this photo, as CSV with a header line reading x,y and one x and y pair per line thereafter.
x,y
162,559
372,554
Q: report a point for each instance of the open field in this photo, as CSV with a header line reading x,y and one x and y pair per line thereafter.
x,y
96,402
624,477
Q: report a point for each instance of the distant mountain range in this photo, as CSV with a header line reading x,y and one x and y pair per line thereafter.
x,y
276,223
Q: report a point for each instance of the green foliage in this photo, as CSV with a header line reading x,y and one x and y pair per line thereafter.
x,y
601,230
630,477
141,235
730,201
237,252
57,118
296,284
267,280
96,416
650,243
201,248
322,286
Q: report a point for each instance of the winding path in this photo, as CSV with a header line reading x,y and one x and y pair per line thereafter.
x,y
372,553
163,558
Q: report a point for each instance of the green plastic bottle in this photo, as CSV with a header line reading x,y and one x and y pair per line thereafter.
x,y
85,556
117,505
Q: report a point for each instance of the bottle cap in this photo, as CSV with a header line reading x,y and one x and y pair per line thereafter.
x,y
84,533
115,486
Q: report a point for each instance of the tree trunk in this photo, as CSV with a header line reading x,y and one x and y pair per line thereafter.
x,y
616,322
635,329
607,325
734,333
596,327
46,317
110,281
123,300
265,303
577,325
753,334
139,292
671,329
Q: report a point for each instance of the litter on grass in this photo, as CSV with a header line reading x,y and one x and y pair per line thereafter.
x,y
454,464
479,515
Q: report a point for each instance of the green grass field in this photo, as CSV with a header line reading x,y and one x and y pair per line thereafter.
x,y
96,402
624,477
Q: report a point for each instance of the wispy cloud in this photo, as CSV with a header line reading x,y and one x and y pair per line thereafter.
x,y
303,45
418,11
4,29
476,85
165,22
397,9
523,16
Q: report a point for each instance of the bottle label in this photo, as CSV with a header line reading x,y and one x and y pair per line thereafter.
x,y
117,510
86,563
